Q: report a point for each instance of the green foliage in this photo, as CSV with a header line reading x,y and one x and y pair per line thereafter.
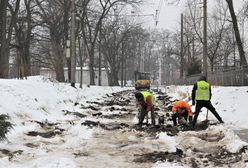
x,y
5,126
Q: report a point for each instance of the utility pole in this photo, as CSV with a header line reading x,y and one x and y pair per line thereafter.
x,y
73,45
100,56
181,52
205,65
122,63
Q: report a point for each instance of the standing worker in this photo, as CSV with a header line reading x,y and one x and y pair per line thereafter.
x,y
146,100
182,111
201,93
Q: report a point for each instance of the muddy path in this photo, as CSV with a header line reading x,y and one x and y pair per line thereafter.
x,y
117,142
120,143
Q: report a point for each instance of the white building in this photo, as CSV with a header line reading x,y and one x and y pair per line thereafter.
x,y
86,75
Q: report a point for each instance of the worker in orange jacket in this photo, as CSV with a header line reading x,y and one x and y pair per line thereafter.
x,y
182,111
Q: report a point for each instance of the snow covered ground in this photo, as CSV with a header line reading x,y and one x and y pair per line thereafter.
x,y
39,105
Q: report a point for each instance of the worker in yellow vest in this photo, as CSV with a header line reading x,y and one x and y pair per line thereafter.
x,y
146,101
201,94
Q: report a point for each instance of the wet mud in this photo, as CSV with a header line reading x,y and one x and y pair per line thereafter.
x,y
48,134
219,157
160,156
119,140
47,130
10,154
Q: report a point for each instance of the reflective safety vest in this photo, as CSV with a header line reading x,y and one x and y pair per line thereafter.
x,y
146,93
202,92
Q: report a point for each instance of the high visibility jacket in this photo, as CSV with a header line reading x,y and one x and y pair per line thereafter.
x,y
146,94
180,106
149,100
202,91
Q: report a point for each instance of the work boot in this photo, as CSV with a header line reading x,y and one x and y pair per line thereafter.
x,y
139,124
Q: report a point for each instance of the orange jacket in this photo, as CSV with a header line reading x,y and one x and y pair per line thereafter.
x,y
180,105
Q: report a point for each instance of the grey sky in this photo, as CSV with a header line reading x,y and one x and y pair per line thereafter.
x,y
169,15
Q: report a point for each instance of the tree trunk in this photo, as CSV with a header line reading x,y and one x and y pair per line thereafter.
x,y
6,35
26,46
122,63
114,70
66,35
212,65
243,61
107,70
4,50
58,64
100,57
80,62
91,66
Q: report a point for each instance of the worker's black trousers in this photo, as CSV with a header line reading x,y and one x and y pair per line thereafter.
x,y
177,115
209,106
143,113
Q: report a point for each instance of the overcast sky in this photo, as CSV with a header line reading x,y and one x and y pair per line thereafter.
x,y
169,15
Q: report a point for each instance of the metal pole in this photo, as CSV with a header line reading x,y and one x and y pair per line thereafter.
x,y
122,63
205,66
73,45
100,56
181,52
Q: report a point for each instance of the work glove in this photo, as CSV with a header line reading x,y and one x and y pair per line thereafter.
x,y
193,102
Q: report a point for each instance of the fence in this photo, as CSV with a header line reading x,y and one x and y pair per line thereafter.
x,y
231,77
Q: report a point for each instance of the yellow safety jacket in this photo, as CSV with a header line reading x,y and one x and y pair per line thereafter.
x,y
146,94
203,91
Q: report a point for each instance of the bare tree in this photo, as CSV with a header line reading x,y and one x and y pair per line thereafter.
x,y
217,28
52,15
114,35
243,61
91,26
23,34
6,34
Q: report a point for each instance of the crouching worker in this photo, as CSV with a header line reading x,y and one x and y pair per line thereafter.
x,y
181,111
146,101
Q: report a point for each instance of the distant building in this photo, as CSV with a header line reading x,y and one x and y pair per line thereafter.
x,y
86,75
